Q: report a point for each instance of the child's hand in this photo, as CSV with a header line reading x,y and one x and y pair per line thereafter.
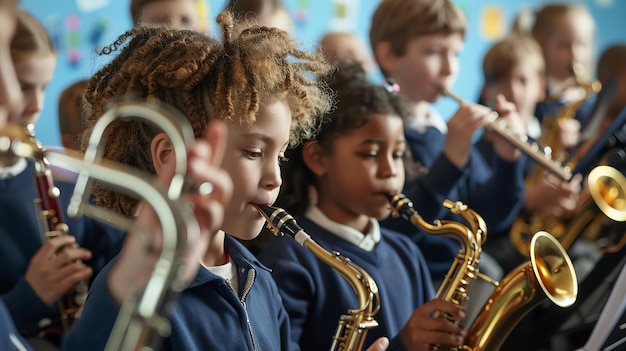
x,y
141,249
57,267
380,344
568,133
557,200
514,123
423,330
461,127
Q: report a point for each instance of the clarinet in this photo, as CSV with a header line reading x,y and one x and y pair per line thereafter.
x,y
51,225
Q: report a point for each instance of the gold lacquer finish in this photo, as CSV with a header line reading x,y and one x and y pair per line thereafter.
x,y
528,223
354,325
548,274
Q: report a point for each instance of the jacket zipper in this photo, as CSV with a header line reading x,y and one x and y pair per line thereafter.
x,y
249,281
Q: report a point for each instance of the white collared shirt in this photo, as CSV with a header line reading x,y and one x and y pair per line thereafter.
x,y
365,241
12,171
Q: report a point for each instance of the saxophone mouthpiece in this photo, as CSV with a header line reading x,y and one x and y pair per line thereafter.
x,y
278,220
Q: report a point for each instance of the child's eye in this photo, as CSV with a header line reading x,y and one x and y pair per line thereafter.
x,y
398,155
371,154
282,159
252,154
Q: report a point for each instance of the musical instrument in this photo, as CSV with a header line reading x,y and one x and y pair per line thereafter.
x,y
527,223
549,274
142,320
604,199
541,155
353,326
49,216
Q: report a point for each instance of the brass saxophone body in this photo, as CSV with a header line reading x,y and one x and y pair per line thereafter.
x,y
49,215
527,223
549,274
353,326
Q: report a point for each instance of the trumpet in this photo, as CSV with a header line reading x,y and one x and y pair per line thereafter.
x,y
541,155
353,326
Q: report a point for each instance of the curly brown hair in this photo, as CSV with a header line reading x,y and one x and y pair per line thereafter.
x,y
204,79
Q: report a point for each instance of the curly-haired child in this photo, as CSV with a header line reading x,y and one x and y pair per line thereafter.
x,y
352,165
261,86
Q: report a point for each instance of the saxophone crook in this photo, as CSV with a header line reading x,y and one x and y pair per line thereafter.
x,y
353,326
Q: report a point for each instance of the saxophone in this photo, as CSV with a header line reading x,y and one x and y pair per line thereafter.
x,y
528,223
353,326
49,217
549,274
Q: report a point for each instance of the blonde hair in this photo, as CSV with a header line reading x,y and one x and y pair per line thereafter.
x,y
204,79
507,53
30,37
400,21
547,17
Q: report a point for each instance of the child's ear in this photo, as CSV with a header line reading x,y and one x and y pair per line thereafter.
x,y
314,158
162,152
385,57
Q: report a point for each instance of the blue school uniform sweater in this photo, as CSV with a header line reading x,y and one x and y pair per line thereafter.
x,y
207,315
21,239
315,296
494,190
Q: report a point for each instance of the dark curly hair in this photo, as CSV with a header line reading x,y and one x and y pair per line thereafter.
x,y
204,79
357,100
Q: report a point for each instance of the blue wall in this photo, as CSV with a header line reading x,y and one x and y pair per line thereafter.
x,y
78,26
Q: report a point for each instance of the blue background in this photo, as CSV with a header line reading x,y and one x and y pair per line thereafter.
x,y
78,26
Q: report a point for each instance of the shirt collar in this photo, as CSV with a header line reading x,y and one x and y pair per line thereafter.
x,y
12,171
366,242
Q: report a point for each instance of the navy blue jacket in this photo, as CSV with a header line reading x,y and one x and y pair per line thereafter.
x,y
207,315
10,339
21,239
315,296
495,190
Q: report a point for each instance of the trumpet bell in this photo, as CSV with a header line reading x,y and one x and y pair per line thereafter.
x,y
607,186
553,269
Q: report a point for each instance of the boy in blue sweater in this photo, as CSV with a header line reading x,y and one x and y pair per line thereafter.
x,y
416,43
351,166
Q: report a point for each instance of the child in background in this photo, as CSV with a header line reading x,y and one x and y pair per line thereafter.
x,y
514,67
611,65
343,46
181,14
270,13
352,164
250,82
565,33
37,274
416,43
70,124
